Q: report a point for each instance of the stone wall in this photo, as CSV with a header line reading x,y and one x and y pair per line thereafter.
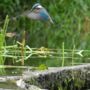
x,y
59,78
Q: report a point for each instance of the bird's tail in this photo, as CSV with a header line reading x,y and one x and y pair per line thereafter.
x,y
51,20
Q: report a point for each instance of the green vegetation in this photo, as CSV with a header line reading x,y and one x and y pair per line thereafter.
x,y
66,42
2,44
2,40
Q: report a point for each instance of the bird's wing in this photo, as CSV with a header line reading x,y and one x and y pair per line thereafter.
x,y
48,15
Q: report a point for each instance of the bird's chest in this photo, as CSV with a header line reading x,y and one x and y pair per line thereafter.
x,y
37,14
41,14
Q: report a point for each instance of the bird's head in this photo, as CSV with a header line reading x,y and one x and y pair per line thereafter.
x,y
36,7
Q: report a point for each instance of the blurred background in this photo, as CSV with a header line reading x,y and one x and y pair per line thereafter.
x,y
71,26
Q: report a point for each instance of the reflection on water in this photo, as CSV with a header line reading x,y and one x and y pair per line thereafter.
x,y
11,71
10,85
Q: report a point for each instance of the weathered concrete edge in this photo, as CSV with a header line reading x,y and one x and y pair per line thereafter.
x,y
54,76
57,75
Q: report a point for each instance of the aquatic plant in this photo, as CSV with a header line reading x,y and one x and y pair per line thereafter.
x,y
2,40
3,43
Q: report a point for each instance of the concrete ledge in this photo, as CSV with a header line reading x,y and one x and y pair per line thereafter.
x,y
55,78
71,78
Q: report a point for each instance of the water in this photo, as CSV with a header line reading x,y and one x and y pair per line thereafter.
x,y
8,86
10,72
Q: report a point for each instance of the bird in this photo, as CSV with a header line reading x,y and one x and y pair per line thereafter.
x,y
38,12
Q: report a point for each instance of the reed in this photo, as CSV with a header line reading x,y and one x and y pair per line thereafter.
x,y
2,40
3,43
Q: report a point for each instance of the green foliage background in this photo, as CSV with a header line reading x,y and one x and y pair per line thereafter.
x,y
71,17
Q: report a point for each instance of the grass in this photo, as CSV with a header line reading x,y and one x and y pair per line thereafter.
x,y
63,54
2,44
73,52
71,26
2,40
21,52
